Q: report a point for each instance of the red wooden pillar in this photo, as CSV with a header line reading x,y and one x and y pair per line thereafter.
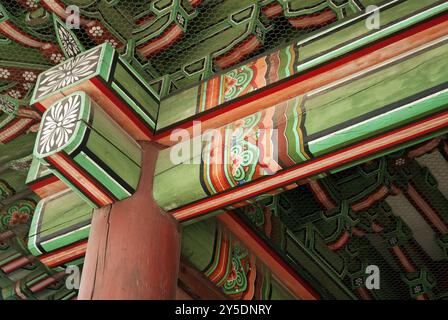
x,y
134,247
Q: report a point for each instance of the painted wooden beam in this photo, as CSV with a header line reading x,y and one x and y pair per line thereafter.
x,y
66,256
168,24
110,81
336,126
86,149
17,264
307,15
223,258
47,282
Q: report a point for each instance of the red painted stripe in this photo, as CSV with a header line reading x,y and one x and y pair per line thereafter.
x,y
42,183
86,175
40,107
263,92
223,259
26,124
273,10
75,181
47,282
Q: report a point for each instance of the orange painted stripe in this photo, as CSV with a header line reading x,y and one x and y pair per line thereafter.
x,y
319,19
79,179
403,259
65,254
378,195
321,195
338,244
165,40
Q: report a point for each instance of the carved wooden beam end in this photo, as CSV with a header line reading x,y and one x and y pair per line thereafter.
x,y
110,81
84,147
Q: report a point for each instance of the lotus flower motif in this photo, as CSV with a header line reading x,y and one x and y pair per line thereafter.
x,y
59,124
69,72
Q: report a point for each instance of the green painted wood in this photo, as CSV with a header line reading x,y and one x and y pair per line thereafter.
x,y
136,85
176,107
59,221
314,263
15,179
187,189
116,162
411,88
94,142
17,148
197,243
373,92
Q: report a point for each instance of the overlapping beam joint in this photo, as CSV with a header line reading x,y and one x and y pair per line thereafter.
x,y
96,108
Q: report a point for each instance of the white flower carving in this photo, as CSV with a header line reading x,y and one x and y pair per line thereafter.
x,y
27,86
15,94
59,124
68,73
4,73
112,42
259,33
31,3
96,31
181,19
29,76
68,42
57,58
